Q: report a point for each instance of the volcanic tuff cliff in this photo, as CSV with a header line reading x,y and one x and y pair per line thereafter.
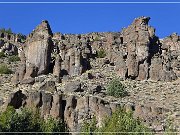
x,y
62,75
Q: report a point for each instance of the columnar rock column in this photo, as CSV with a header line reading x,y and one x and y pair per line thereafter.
x,y
38,48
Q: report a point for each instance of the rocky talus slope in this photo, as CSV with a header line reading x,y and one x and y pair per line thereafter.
x,y
64,76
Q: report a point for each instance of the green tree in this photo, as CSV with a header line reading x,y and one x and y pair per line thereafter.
x,y
28,121
6,118
120,123
52,125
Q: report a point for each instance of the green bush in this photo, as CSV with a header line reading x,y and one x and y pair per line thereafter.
x,y
2,54
97,38
13,58
88,127
120,121
101,53
28,121
53,125
169,129
9,31
4,69
116,88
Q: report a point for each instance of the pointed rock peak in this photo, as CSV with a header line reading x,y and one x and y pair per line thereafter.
x,y
42,30
141,20
44,27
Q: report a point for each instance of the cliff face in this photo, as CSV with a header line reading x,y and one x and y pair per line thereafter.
x,y
63,76
38,48
135,52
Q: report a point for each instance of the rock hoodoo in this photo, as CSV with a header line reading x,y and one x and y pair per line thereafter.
x,y
38,48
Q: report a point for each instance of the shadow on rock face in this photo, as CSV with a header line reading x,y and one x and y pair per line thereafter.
x,y
16,99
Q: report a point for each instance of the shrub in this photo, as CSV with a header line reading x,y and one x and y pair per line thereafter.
x,y
120,121
53,125
101,53
88,127
4,69
2,54
28,121
13,58
9,31
169,129
115,88
97,38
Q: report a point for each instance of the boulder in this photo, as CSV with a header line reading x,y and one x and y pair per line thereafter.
x,y
74,86
48,86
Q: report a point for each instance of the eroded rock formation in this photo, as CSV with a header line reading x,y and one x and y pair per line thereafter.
x,y
49,60
74,110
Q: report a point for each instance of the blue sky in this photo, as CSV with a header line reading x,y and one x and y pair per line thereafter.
x,y
84,18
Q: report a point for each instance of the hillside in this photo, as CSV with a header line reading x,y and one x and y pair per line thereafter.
x,y
67,75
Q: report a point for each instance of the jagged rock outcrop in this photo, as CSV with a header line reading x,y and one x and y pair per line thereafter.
x,y
74,51
74,110
8,48
36,55
140,53
9,42
39,45
170,51
55,67
135,52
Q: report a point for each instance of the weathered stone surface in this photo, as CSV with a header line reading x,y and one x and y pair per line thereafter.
x,y
16,100
34,100
140,46
156,69
74,110
21,71
56,109
135,53
31,71
121,67
46,104
29,80
15,78
57,66
74,86
38,48
8,48
48,86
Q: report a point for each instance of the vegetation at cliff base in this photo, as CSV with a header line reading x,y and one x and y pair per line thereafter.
x,y
2,54
28,121
13,58
116,88
120,121
4,69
